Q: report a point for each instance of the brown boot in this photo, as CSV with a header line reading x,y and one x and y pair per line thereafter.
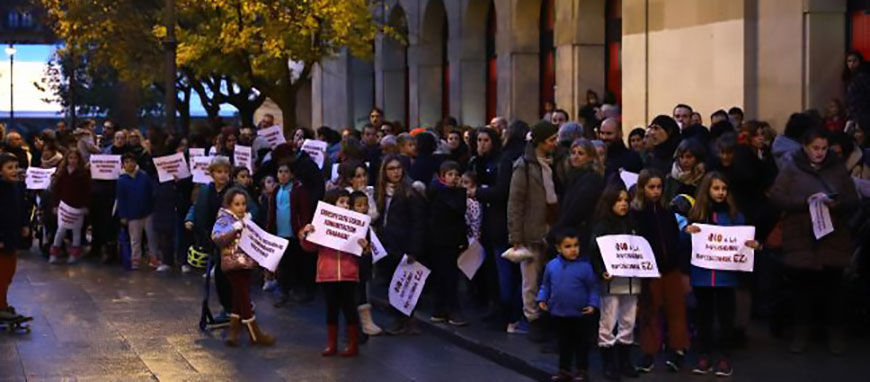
x,y
331,341
235,330
352,348
258,337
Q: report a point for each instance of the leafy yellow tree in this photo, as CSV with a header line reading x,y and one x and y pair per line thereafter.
x,y
271,45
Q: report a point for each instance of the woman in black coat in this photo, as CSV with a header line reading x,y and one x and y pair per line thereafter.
x,y
582,181
401,226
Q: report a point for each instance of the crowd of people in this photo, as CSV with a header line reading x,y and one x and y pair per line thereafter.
x,y
534,197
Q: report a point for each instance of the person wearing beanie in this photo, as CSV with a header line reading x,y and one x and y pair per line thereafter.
x,y
664,134
532,209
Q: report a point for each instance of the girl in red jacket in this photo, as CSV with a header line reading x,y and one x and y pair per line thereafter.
x,y
73,188
339,274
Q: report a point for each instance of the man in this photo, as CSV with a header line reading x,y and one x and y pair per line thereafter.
x,y
618,156
532,208
86,140
13,144
718,116
260,147
64,135
108,135
559,117
683,115
376,117
372,152
735,114
499,124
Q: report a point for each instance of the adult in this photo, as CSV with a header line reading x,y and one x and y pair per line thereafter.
x,y
376,118
107,135
559,117
136,145
592,103
86,140
105,228
697,119
401,226
718,116
459,151
492,191
372,152
687,171
582,183
735,116
618,156
784,146
500,124
663,135
15,145
333,141
856,82
636,140
816,265
425,165
682,113
532,207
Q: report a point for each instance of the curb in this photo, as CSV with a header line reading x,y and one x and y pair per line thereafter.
x,y
480,348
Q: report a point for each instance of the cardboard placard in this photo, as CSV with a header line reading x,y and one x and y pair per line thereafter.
x,y
316,150
38,178
407,285
627,256
199,169
723,248
242,157
266,249
171,166
105,167
274,135
338,228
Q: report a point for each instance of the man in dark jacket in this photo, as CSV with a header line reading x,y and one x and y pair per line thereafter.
x,y
618,156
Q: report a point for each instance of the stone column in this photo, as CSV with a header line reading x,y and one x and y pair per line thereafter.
x,y
580,52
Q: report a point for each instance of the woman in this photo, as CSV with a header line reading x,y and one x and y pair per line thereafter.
x,y
136,145
494,172
663,135
856,81
816,265
582,183
459,151
73,188
687,171
401,226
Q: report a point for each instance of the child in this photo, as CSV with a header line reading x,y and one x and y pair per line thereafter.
x,y
658,226
447,238
267,186
618,294
338,272
359,202
135,195
289,211
714,290
242,179
237,267
569,291
73,188
13,228
473,214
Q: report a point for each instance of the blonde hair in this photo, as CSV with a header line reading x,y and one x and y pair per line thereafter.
x,y
220,162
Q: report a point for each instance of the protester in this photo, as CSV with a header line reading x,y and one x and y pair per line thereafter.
x,y
338,273
288,212
14,227
361,202
73,188
447,237
569,292
664,137
237,266
135,195
582,180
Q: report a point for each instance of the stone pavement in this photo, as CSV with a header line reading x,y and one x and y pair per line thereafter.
x,y
101,323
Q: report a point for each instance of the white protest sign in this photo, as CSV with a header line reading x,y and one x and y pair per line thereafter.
x,y
723,248
471,259
196,152
171,166
105,167
629,178
68,217
407,285
378,250
316,150
266,249
338,228
820,216
199,169
274,136
627,256
38,178
242,157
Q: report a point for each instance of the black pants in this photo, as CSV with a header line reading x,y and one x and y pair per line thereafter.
x,y
297,269
340,296
446,278
715,304
365,275
818,291
223,286
574,335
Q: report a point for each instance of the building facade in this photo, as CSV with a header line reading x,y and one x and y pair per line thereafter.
x,y
475,59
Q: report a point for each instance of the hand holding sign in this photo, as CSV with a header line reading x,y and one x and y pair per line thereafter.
x,y
105,167
171,166
38,178
724,248
316,150
627,256
266,249
407,285
338,228
243,158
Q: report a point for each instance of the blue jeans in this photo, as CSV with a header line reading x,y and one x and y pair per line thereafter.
x,y
509,285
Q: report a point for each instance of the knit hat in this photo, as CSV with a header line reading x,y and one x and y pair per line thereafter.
x,y
541,131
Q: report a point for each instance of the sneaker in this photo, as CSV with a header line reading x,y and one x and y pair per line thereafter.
x,y
675,360
438,318
703,367
646,364
53,259
723,368
153,262
163,268
457,319
185,269
398,327
270,285
519,327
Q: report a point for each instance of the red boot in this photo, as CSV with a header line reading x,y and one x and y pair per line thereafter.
x,y
331,341
352,348
75,253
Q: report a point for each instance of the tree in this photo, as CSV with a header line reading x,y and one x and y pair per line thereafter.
x,y
256,42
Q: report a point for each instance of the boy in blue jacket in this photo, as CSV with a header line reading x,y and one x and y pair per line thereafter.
x,y
135,194
569,291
